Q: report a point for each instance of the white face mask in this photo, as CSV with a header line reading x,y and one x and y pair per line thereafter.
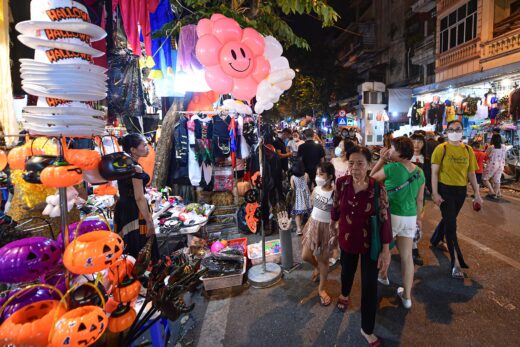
x,y
454,137
338,152
320,182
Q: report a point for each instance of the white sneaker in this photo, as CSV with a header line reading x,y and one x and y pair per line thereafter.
x,y
407,303
332,261
383,281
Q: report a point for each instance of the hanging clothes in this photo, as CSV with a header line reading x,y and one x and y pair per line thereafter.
x,y
163,14
221,139
135,15
203,147
180,137
194,168
514,104
244,147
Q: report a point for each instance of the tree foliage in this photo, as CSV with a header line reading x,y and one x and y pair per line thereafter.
x,y
267,17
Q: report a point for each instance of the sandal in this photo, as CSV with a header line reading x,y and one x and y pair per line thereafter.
x,y
325,300
376,343
457,273
315,276
342,304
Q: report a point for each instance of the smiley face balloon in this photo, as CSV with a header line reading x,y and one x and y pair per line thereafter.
x,y
232,57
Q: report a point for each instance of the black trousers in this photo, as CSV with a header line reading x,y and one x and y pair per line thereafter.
x,y
454,197
369,273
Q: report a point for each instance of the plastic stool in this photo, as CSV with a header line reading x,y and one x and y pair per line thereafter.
x,y
156,335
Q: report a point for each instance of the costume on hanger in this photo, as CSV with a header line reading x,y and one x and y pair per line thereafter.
x,y
203,145
514,104
194,169
244,147
163,14
180,138
136,14
221,140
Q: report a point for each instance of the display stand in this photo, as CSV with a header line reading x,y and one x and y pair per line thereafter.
x,y
266,274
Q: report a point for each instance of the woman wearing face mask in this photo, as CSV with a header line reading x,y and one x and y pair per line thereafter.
x,y
318,238
351,213
404,183
340,161
453,163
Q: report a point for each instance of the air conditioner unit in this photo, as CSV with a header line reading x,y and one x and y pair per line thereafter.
x,y
372,97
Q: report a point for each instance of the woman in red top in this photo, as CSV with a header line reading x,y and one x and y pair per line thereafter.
x,y
353,206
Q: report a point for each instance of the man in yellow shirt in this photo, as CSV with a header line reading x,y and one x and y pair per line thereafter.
x,y
453,164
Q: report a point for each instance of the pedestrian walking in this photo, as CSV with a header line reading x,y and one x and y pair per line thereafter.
x,y
299,185
312,154
319,240
404,183
481,157
453,163
354,204
280,144
495,167
419,150
429,146
340,161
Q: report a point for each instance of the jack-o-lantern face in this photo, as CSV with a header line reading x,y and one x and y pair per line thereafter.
x,y
24,260
93,252
120,269
30,326
81,326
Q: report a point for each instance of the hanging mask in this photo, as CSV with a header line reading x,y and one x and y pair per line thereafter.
x,y
249,133
224,147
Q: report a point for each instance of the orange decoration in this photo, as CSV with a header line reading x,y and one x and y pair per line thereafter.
x,y
105,189
148,162
251,220
61,176
3,160
81,326
122,268
85,159
93,252
16,158
202,101
30,326
243,187
127,290
121,319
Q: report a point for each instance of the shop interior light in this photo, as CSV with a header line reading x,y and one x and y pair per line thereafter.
x,y
506,83
458,98
395,114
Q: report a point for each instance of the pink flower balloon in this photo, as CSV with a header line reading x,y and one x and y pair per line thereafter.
x,y
233,58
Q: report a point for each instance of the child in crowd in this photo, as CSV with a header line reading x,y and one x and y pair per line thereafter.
x,y
481,158
299,185
319,239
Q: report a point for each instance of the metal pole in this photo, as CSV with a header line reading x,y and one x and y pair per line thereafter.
x,y
63,215
260,159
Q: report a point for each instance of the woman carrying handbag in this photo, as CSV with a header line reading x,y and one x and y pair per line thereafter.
x,y
361,206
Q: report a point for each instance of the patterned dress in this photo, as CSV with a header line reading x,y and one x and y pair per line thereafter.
x,y
302,196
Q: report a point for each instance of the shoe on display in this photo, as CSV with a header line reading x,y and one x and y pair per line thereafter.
x,y
407,303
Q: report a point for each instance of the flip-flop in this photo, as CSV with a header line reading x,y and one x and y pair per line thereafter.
x,y
323,300
342,304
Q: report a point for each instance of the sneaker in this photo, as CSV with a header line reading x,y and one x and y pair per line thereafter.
x,y
407,303
332,262
383,281
299,232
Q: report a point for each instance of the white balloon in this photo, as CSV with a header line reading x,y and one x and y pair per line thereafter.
x,y
280,76
258,108
279,63
273,48
55,212
47,210
284,85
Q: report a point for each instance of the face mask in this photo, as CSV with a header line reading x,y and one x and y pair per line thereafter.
x,y
320,182
338,152
454,137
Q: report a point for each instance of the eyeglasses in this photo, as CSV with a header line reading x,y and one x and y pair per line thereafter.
x,y
451,131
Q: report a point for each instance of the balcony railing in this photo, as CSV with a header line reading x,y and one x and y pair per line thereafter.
x,y
502,45
444,4
423,6
458,55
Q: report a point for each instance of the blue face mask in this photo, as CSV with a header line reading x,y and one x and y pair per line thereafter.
x,y
286,141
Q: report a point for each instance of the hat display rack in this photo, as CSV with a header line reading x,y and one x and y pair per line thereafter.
x,y
63,77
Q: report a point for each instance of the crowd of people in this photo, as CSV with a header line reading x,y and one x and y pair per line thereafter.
x,y
354,206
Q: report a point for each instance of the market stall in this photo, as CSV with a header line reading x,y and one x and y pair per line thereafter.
x,y
71,284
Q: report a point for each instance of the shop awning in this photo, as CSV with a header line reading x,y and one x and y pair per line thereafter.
x,y
473,78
